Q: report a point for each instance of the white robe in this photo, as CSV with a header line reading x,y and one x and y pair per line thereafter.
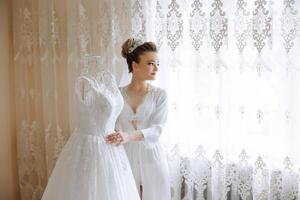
x,y
147,159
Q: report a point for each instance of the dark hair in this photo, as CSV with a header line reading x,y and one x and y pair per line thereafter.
x,y
135,54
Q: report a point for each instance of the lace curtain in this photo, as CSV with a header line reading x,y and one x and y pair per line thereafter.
x,y
231,70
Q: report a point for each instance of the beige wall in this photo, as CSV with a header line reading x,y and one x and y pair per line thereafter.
x,y
9,189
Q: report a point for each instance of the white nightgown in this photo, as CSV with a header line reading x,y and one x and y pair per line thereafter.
x,y
147,159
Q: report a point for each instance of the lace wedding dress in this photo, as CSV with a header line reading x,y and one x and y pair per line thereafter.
x,y
88,168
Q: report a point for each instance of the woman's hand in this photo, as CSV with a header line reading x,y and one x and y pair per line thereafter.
x,y
118,138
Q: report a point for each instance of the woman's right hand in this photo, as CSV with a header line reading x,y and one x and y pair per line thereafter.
x,y
118,138
112,138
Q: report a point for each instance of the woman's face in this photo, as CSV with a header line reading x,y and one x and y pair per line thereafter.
x,y
146,69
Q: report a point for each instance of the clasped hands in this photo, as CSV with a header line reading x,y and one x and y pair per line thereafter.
x,y
117,138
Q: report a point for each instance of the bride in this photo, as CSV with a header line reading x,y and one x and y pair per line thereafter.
x,y
89,168
142,121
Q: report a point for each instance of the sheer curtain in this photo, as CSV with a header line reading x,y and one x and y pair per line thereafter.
x,y
231,70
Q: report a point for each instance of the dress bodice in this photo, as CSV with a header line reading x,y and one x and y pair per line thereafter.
x,y
99,103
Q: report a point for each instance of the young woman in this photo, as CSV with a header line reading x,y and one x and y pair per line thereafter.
x,y
141,122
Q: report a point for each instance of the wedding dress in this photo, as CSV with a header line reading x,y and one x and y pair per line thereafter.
x,y
88,168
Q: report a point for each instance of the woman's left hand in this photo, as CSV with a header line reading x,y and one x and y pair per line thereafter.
x,y
118,138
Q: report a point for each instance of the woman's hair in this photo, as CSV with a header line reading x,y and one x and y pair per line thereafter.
x,y
133,48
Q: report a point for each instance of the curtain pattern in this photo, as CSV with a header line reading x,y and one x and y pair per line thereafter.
x,y
231,70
